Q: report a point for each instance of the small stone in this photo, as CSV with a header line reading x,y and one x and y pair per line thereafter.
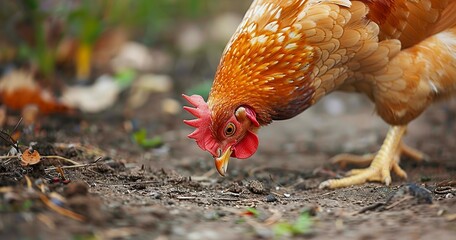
x,y
235,188
256,187
139,186
271,198
155,195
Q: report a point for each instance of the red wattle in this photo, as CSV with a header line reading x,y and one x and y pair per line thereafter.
x,y
246,147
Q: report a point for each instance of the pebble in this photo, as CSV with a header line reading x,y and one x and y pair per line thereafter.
x,y
235,188
271,198
256,186
155,195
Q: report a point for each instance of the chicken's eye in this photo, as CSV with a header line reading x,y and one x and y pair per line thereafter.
x,y
230,129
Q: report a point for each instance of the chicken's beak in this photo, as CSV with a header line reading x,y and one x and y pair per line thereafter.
x,y
221,163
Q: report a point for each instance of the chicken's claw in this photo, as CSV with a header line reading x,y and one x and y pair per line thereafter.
x,y
386,160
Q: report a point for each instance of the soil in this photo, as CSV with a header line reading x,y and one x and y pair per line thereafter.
x,y
123,191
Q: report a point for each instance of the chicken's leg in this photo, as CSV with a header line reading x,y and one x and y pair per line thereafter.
x,y
344,159
387,159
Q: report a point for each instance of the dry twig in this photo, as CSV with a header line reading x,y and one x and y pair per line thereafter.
x,y
60,210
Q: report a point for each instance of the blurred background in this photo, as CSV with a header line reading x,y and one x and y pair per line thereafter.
x,y
99,82
126,61
131,59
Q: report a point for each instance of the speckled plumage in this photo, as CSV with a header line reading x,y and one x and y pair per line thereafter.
x,y
287,54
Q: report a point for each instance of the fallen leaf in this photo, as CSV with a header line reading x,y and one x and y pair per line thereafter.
x,y
18,89
140,137
30,158
95,98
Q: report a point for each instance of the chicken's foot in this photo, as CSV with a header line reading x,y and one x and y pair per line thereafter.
x,y
345,159
386,160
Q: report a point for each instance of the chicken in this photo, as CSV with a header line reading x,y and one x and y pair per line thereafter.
x,y
287,54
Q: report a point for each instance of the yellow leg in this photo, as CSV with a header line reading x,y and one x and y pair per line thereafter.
x,y
387,159
345,158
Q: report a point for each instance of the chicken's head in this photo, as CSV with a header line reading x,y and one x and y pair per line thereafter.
x,y
231,137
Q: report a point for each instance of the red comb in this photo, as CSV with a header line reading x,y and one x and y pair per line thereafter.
x,y
202,133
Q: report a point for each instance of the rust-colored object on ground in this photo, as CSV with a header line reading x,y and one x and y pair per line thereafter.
x,y
30,157
18,90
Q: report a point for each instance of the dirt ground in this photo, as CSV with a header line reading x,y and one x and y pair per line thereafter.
x,y
122,191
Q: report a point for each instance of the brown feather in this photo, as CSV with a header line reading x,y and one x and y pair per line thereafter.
x,y
286,55
410,21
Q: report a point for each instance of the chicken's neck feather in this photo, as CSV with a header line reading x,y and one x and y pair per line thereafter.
x,y
286,55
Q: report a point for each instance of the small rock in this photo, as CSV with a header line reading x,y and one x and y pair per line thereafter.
x,y
139,186
235,188
155,195
271,198
421,194
256,187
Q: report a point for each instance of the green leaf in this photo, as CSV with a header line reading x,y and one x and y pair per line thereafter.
x,y
125,77
253,211
300,226
283,229
140,137
152,142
